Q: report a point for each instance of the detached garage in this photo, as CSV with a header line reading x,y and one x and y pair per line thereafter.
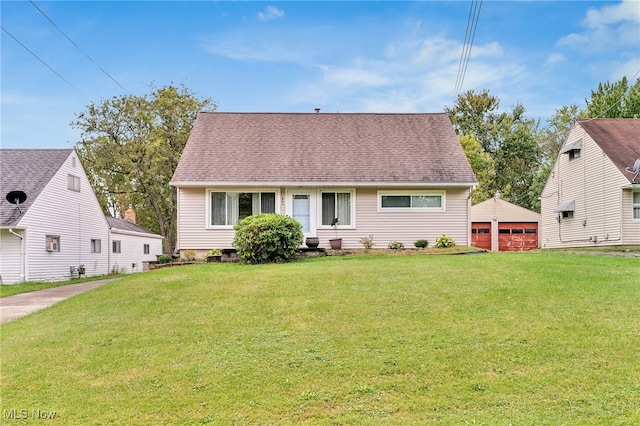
x,y
499,225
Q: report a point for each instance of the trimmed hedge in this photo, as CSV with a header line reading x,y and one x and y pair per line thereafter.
x,y
267,238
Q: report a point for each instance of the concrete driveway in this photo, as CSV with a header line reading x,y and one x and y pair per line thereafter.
x,y
12,307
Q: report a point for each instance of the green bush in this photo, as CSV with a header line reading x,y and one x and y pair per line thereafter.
x,y
396,245
421,244
165,258
214,252
267,238
444,241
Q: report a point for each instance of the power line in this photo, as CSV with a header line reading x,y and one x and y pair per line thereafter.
x,y
470,33
77,47
43,62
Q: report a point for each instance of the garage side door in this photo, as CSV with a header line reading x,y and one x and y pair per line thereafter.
x,y
481,235
517,236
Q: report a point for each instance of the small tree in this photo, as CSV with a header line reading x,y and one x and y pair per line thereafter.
x,y
267,238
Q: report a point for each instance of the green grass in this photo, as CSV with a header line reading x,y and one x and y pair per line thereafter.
x,y
492,339
13,289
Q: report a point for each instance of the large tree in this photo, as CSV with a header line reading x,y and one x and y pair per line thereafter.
x,y
508,159
130,148
616,100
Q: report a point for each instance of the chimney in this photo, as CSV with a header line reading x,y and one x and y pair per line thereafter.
x,y
130,214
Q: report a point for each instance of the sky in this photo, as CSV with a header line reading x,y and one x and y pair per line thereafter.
x,y
291,56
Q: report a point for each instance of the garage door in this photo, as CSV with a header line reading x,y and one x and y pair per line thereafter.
x,y
481,235
517,236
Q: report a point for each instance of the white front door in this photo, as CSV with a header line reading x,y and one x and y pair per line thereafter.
x,y
301,207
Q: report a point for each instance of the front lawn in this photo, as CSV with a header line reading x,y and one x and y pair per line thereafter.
x,y
496,339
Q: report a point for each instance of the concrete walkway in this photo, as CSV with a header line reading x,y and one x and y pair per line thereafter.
x,y
12,307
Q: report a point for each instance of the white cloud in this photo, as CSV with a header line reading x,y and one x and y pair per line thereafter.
x,y
270,13
554,58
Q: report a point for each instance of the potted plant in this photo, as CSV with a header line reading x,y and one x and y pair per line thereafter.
x,y
336,243
312,242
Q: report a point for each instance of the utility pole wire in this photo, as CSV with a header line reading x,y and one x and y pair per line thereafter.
x,y
77,47
43,62
470,33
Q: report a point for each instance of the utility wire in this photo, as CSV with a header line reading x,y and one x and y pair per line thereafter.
x,y
470,33
43,62
77,47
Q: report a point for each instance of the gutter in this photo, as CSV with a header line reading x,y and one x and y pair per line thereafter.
x,y
22,254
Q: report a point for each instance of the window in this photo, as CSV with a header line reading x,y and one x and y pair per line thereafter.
x,y
96,246
228,208
636,205
73,183
52,243
146,249
415,200
573,149
574,153
336,205
115,246
568,214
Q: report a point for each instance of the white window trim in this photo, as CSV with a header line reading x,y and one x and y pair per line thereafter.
x,y
208,224
352,193
412,192
634,205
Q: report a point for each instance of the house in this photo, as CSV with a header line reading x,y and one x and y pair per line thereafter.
x,y
51,224
132,247
499,225
592,195
398,177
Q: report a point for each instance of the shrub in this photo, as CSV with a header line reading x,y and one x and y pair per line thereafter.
x,y
367,242
267,238
444,241
214,252
189,255
421,244
165,258
396,245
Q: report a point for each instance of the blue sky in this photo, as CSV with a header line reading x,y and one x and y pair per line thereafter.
x,y
387,56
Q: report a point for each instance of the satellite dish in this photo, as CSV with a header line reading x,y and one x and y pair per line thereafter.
x,y
636,169
16,197
335,221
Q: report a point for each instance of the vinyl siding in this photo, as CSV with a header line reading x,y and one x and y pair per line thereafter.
x,y
630,227
10,263
76,217
132,251
595,184
406,226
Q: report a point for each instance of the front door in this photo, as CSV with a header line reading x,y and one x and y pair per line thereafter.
x,y
301,206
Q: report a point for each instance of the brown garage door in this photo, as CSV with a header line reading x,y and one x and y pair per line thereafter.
x,y
481,235
517,236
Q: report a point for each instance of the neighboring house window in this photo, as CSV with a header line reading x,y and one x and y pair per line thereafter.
x,y
53,243
574,153
115,246
228,208
636,205
567,214
73,183
96,246
414,200
336,205
146,249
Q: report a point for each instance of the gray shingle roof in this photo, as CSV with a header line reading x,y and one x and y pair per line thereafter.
x,y
619,138
125,225
27,170
322,148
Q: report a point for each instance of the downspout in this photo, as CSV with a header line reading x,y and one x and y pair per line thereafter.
x,y
22,262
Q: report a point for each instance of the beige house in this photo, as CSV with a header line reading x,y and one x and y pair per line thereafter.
x,y
499,225
398,177
592,196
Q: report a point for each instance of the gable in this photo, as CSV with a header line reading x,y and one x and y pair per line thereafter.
x,y
27,170
320,148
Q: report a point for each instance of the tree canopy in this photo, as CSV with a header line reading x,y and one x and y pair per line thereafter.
x,y
130,148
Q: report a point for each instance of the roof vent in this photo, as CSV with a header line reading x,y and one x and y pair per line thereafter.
x,y
635,171
317,110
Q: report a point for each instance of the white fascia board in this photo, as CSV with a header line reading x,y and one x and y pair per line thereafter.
x,y
324,184
135,234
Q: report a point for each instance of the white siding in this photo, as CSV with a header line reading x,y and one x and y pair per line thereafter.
x,y
10,257
406,226
76,217
630,227
596,186
131,256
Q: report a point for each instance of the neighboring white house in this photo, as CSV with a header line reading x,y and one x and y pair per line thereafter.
x,y
132,247
51,223
592,195
398,177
